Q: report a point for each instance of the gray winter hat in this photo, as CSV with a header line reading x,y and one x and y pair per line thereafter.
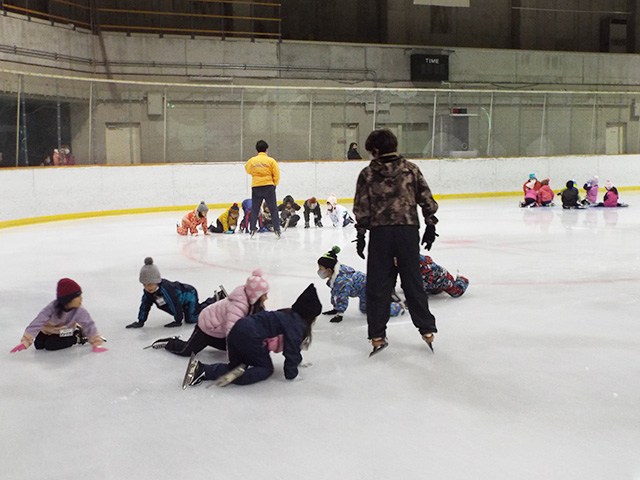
x,y
149,273
202,209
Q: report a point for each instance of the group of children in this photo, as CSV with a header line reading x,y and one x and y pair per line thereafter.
x,y
540,194
287,217
236,323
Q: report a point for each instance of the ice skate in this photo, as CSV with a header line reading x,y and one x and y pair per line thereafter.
x,y
403,308
173,324
222,293
286,224
81,338
230,376
378,344
429,338
395,297
319,224
252,233
161,342
194,374
306,224
277,233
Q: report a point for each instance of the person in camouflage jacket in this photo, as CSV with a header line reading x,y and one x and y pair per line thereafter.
x,y
388,192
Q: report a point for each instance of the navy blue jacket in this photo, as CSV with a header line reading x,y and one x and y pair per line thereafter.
x,y
181,301
268,324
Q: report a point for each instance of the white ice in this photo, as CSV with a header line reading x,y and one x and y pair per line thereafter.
x,y
536,371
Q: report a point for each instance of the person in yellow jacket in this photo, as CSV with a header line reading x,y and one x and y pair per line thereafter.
x,y
265,175
227,222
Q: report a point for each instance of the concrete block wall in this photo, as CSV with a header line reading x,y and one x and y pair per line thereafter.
x,y
389,64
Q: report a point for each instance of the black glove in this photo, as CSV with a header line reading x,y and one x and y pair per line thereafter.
x,y
135,325
336,319
330,312
360,243
429,236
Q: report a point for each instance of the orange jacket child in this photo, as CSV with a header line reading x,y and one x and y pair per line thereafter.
x,y
191,221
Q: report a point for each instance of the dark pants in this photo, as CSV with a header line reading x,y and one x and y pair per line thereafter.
x,y
53,342
218,228
244,346
268,194
196,343
400,242
293,220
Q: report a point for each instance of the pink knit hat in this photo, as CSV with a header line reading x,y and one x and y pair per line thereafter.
x,y
256,286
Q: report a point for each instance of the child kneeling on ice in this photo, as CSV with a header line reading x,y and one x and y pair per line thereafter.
x,y
216,320
570,196
227,222
175,298
611,196
345,282
247,345
191,221
62,323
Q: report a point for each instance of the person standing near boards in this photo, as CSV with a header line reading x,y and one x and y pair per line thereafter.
x,y
353,153
265,176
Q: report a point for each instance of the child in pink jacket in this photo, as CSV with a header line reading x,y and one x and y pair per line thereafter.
x,y
530,194
591,187
611,196
545,194
215,321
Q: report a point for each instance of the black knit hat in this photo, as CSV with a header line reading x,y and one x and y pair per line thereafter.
x,y
308,304
329,259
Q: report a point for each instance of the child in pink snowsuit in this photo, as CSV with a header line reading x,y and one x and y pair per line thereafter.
x,y
545,194
611,197
591,187
530,194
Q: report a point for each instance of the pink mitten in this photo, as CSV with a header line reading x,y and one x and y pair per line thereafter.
x,y
99,349
18,348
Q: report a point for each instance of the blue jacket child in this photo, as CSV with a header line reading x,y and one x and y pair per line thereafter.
x,y
175,298
345,282
247,344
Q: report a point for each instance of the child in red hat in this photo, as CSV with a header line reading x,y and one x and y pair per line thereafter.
x,y
227,222
62,323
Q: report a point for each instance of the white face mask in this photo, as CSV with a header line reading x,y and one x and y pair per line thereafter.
x,y
323,273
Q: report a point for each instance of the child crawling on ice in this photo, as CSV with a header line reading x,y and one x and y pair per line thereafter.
x,y
345,283
247,345
217,319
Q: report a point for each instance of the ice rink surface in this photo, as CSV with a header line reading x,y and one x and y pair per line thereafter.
x,y
535,373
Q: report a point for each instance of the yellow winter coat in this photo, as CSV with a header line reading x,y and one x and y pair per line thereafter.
x,y
227,221
263,170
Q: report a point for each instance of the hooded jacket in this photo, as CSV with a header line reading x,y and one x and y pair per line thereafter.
x,y
226,220
218,318
388,191
288,212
